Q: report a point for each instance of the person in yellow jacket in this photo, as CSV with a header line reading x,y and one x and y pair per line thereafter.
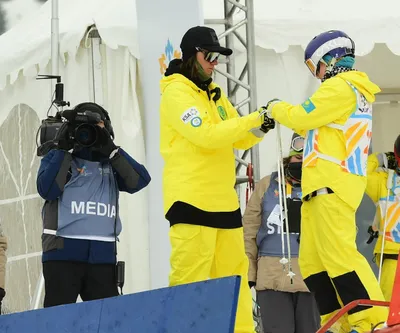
x,y
199,131
336,121
383,187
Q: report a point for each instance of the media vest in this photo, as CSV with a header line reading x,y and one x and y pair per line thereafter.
x,y
87,209
269,238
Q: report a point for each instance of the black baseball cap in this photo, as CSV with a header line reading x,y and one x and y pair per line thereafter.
x,y
202,37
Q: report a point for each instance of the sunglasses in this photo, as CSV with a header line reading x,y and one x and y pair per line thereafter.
x,y
298,144
209,56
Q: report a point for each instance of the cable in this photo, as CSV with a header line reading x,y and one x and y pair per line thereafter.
x,y
373,329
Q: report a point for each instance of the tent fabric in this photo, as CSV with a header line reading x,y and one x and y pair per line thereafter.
x,y
28,44
23,105
25,102
280,24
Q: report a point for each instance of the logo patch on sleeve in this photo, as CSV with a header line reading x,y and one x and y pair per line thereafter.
x,y
189,114
308,106
196,122
222,112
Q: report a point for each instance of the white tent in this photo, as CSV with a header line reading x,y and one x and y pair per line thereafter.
x,y
280,30
106,72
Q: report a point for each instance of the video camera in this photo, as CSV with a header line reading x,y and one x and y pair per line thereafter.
x,y
81,124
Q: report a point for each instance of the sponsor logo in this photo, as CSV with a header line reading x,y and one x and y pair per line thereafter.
x,y
222,112
189,114
169,53
83,171
196,122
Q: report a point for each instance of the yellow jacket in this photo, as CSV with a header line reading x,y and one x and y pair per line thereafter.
x,y
197,145
376,189
333,102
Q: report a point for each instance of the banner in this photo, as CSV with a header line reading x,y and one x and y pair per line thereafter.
x,y
161,25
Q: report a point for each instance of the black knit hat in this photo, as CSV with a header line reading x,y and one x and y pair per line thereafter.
x,y
204,38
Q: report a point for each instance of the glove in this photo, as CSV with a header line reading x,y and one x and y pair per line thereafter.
x,y
106,144
387,160
391,160
252,284
268,122
61,140
372,234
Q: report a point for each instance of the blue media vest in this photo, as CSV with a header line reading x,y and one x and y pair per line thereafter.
x,y
269,236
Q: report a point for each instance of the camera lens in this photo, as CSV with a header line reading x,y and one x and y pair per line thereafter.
x,y
86,135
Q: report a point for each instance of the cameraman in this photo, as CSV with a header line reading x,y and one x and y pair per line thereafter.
x,y
80,215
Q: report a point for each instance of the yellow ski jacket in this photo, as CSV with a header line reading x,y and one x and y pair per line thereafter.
x,y
333,102
376,189
197,142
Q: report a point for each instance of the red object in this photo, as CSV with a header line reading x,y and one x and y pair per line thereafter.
x,y
394,309
347,308
250,182
393,321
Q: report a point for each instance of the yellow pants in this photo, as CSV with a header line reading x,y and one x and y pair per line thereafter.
x,y
199,253
387,276
331,265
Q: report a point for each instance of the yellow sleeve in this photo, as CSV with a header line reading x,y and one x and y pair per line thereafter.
x,y
250,139
185,115
251,225
375,179
333,99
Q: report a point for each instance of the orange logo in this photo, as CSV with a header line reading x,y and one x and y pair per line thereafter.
x,y
167,56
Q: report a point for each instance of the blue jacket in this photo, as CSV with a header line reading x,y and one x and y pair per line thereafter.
x,y
58,181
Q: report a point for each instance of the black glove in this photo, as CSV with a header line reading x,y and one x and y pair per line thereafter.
x,y
61,140
106,144
372,234
268,123
391,160
252,284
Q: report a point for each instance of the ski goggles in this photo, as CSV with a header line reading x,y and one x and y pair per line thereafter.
x,y
208,55
297,144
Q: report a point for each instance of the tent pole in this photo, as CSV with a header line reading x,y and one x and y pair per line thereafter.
x,y
55,38
55,53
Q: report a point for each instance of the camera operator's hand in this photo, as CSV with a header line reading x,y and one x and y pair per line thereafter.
x,y
107,145
61,139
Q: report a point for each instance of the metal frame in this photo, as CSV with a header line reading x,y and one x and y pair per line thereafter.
x,y
247,82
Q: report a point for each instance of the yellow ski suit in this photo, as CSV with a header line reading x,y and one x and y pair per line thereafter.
x,y
198,137
377,190
336,120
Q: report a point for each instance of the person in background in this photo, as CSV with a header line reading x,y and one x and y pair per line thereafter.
x,y
285,307
336,122
199,131
80,215
383,187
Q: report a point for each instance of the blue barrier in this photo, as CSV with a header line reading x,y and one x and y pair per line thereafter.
x,y
201,307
